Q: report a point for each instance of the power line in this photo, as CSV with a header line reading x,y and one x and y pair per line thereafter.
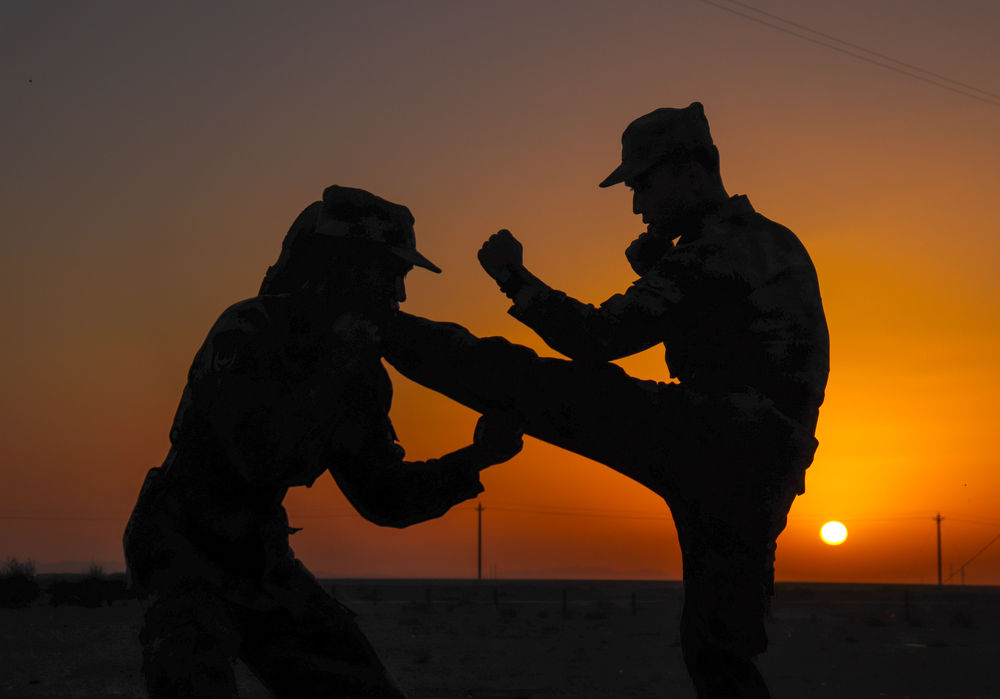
x,y
605,512
879,60
985,523
978,554
570,513
479,540
938,520
888,518
556,508
608,513
866,50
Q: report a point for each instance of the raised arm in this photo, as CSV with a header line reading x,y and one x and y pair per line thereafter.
x,y
623,325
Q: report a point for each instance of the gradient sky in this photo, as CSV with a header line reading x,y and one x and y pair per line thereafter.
x,y
154,154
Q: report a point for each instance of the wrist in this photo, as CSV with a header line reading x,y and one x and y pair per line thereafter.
x,y
512,279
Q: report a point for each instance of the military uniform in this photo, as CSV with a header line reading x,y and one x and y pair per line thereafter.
x,y
737,306
275,397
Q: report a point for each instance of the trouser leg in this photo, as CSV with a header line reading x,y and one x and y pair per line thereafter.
x,y
313,648
190,641
728,538
662,437
722,631
592,409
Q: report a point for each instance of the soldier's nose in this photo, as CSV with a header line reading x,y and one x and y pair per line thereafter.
x,y
636,208
400,290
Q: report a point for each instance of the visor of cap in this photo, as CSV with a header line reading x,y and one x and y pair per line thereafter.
x,y
415,258
628,169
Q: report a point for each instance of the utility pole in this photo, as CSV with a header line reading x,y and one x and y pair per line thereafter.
x,y
479,541
938,519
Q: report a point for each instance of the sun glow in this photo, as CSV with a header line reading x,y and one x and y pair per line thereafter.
x,y
833,533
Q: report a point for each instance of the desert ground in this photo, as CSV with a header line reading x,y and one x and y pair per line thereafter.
x,y
548,639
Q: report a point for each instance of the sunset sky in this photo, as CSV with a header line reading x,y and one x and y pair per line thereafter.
x,y
154,154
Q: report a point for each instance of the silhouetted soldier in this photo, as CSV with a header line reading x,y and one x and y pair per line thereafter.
x,y
736,303
287,385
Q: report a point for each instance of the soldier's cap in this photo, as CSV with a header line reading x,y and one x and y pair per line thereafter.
x,y
663,135
355,213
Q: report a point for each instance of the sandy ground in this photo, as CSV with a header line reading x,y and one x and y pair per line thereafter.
x,y
513,640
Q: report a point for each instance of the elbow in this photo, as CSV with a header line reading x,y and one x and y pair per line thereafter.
x,y
383,515
395,519
393,509
383,520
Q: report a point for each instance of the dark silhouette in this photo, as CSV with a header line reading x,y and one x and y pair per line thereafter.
x,y
736,303
287,385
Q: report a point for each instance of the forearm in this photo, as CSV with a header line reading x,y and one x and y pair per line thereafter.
x,y
578,330
403,493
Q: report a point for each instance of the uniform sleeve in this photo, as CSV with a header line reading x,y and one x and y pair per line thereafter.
x,y
370,470
688,284
623,325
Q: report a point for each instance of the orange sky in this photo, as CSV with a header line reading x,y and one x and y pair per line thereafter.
x,y
154,158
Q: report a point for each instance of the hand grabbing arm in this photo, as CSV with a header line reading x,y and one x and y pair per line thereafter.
x,y
498,438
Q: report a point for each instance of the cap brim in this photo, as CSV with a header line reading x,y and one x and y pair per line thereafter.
x,y
615,177
627,171
415,259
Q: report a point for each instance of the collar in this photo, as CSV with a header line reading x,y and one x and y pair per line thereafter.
x,y
738,205
735,206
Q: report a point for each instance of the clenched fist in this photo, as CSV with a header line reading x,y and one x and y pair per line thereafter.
x,y
501,255
498,436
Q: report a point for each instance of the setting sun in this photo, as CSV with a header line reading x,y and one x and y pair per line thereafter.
x,y
833,533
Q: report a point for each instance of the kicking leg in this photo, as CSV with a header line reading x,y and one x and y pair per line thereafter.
x,y
592,409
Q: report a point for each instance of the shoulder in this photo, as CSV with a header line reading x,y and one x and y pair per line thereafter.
x,y
757,241
239,330
751,227
252,315
256,318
